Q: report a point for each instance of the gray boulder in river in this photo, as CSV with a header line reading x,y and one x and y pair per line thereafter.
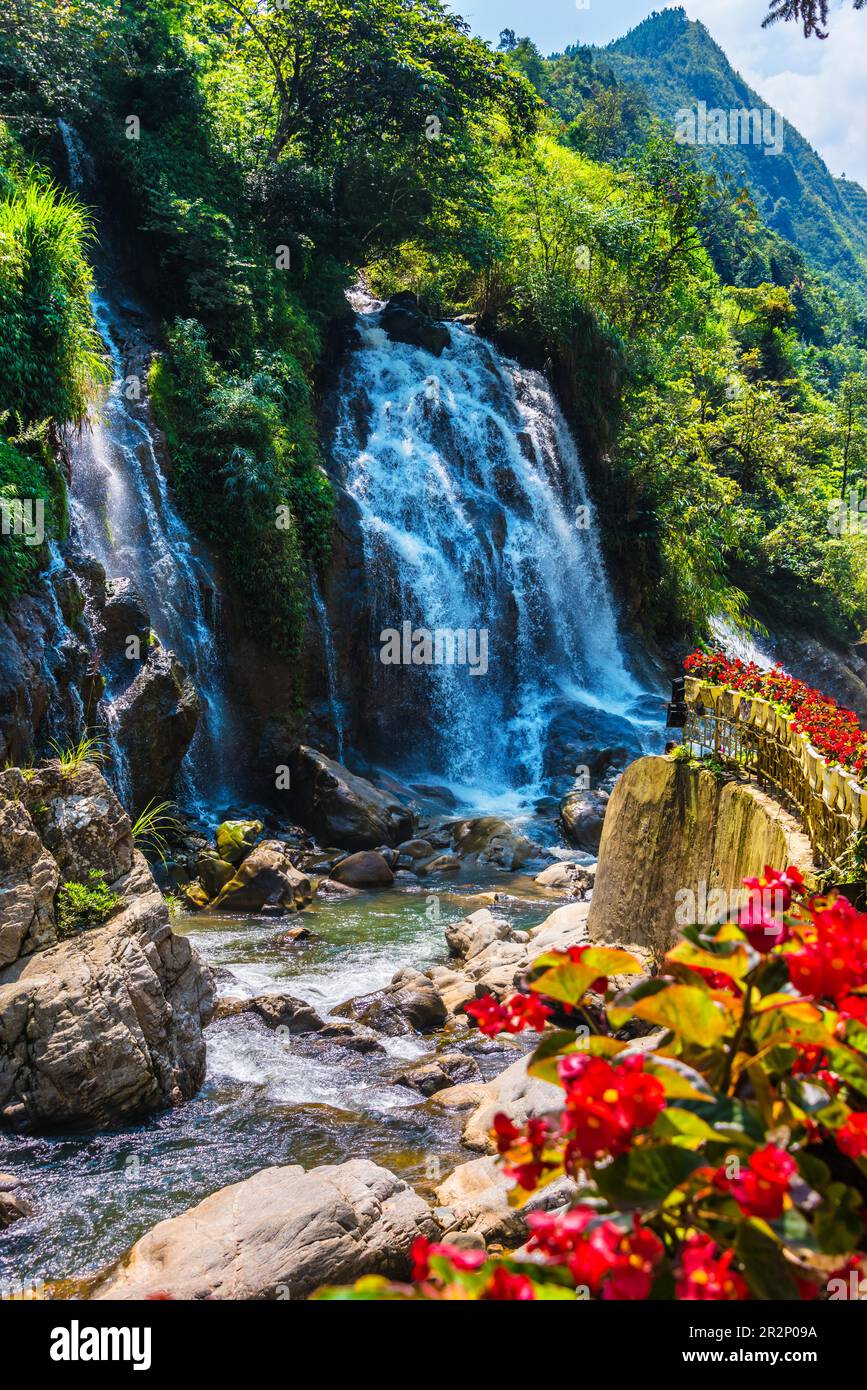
x,y
279,1235
343,809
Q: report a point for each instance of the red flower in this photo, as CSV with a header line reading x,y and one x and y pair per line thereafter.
x,y
606,1104
705,1274
520,1012
762,929
852,1136
761,1190
422,1250
506,1287
601,1257
775,887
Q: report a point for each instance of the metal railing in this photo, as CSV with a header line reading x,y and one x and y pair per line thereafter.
x,y
775,767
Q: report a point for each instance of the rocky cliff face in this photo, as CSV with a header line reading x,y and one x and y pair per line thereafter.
x,y
673,835
98,1023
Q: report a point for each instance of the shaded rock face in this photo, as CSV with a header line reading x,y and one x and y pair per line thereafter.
x,y
341,808
581,816
404,322
488,840
281,1234
123,615
44,684
592,739
410,1002
671,827
107,1025
266,878
156,719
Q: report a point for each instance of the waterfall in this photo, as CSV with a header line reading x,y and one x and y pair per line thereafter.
x,y
122,512
335,704
475,517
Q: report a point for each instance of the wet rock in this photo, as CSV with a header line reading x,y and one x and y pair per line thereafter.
x,y
235,839
491,840
28,881
581,815
329,888
267,877
295,935
352,1035
448,1069
574,879
214,873
156,718
415,849
275,1010
13,1204
107,1026
366,869
195,896
123,615
404,322
464,1097
43,671
442,864
590,739
281,1234
409,1004
341,808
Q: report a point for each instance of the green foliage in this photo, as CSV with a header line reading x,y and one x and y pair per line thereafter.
x,y
50,354
28,477
74,756
248,473
83,905
153,826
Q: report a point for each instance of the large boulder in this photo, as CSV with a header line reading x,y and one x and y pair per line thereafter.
x,y
364,869
404,322
343,809
467,937
105,1026
279,1235
266,878
475,1197
490,840
697,838
409,1004
157,716
79,819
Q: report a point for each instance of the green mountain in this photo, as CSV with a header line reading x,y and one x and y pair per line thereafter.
x,y
678,65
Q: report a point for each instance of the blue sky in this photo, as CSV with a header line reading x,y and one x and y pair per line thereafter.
x,y
818,85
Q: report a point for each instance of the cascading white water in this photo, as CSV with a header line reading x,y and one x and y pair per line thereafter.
x,y
475,515
324,630
123,514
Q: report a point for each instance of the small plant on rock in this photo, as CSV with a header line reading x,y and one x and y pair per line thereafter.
x,y
83,905
75,756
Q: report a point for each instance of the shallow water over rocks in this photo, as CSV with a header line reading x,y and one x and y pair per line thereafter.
x,y
267,1099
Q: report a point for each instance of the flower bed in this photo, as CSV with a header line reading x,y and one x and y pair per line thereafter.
x,y
725,1161
833,731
